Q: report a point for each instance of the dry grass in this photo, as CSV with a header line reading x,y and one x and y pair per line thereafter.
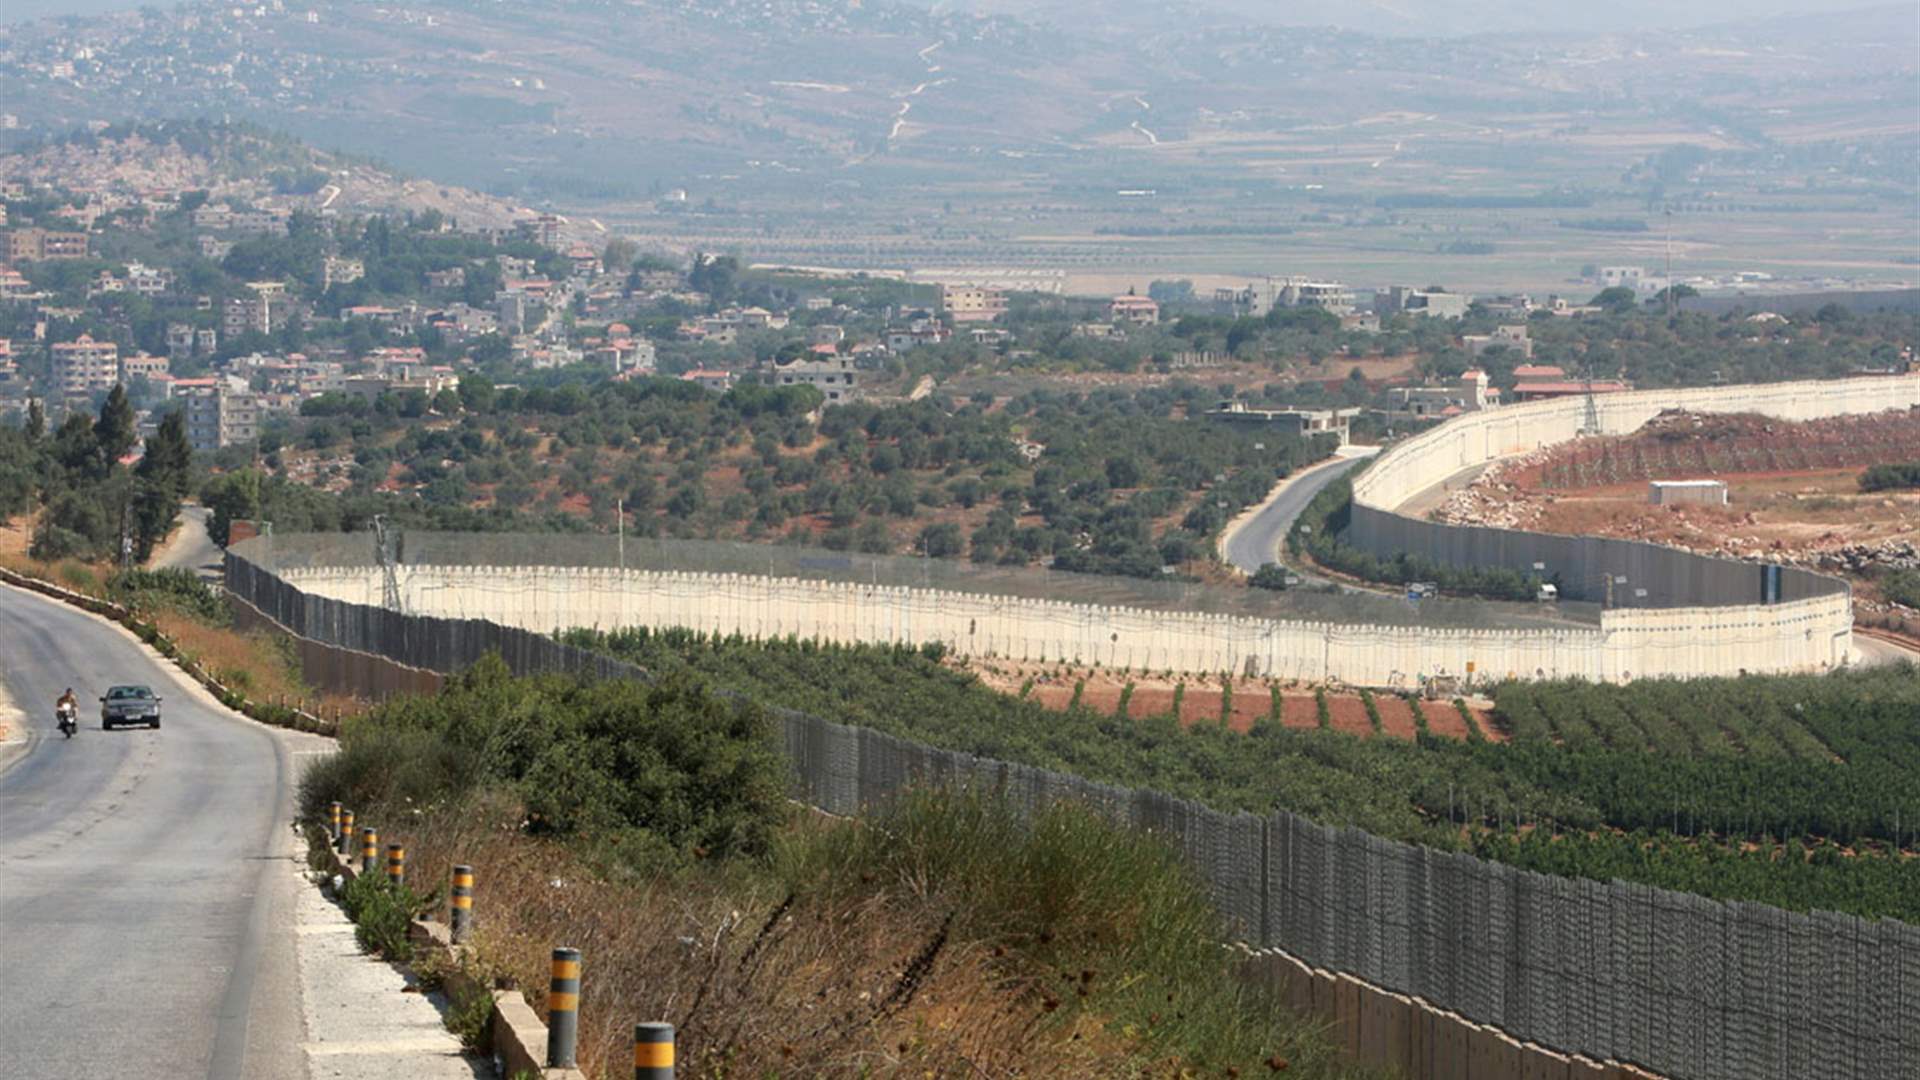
x,y
836,965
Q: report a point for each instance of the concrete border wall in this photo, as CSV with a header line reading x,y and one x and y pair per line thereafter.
x,y
1746,626
1628,643
1678,984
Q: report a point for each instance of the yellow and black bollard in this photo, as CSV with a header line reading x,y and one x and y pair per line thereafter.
x,y
396,865
369,851
653,1052
563,1009
460,903
344,843
333,823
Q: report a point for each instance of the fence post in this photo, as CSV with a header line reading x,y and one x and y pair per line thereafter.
x,y
344,842
396,865
563,1009
653,1052
460,903
369,851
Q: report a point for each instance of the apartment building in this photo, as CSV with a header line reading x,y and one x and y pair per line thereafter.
x,y
83,365
220,412
1135,310
1513,338
835,376
968,303
1433,303
143,366
34,245
338,271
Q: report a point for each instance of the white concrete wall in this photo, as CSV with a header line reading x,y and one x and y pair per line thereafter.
x,y
1801,636
1628,644
1407,469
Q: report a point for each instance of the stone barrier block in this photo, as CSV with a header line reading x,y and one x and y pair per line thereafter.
x,y
1585,1068
1492,1055
1386,1030
1447,1046
1347,994
1540,1063
1324,1005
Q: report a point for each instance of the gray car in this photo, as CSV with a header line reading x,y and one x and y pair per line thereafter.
x,y
129,705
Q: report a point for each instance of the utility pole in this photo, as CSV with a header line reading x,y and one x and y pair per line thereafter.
x,y
620,529
1669,217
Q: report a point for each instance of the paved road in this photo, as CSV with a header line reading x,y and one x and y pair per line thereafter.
x,y
144,894
189,547
1875,652
1258,541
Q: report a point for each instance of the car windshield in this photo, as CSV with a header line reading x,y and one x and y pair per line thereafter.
x,y
123,693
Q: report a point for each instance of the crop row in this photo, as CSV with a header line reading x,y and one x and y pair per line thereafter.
x,y
1684,790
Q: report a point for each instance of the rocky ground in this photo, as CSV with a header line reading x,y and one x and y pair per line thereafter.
x,y
1793,490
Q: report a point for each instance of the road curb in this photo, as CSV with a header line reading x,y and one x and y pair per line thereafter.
x,y
518,1037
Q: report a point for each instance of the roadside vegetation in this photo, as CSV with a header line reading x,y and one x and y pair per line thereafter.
x,y
938,936
1702,786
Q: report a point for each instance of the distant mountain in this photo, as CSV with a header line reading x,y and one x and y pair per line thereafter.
x,y
758,104
1411,18
241,162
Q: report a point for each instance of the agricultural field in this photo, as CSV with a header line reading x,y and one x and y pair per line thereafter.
x,y
1239,704
1795,791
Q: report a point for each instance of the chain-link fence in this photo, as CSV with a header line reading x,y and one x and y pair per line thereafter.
x,y
1689,987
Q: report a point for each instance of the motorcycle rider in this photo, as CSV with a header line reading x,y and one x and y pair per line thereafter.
x,y
67,704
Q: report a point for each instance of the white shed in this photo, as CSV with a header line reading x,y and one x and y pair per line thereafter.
x,y
1705,492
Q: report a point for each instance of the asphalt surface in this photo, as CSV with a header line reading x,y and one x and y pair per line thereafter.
x,y
145,896
1257,542
189,548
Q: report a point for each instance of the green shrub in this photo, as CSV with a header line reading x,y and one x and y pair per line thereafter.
x,y
699,772
381,913
470,1018
171,589
1373,710
1891,477
1269,576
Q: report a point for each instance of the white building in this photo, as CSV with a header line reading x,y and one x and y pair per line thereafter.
x,y
834,376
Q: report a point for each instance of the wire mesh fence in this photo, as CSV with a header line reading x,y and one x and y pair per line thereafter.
x,y
1688,987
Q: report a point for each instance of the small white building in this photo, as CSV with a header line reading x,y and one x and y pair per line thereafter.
x,y
1699,492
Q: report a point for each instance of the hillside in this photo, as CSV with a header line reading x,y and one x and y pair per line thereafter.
x,y
582,99
238,162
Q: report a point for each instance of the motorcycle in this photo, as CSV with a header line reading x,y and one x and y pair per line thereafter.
x,y
69,720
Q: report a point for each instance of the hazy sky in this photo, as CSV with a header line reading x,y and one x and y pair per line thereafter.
x,y
1375,16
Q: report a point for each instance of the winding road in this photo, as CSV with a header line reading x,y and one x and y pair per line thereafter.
x,y
190,548
142,873
1257,541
